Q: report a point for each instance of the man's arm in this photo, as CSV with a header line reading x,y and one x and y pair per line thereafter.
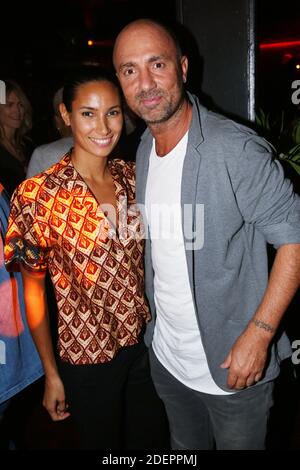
x,y
37,318
247,359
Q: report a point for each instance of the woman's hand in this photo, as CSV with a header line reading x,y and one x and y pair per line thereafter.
x,y
54,398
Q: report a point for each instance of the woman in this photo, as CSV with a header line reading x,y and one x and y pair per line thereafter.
x,y
15,124
68,219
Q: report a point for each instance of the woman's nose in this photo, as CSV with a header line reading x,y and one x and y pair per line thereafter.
x,y
103,126
17,111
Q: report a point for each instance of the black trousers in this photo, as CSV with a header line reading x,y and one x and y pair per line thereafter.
x,y
115,405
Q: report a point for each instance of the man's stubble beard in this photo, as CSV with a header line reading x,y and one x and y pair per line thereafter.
x,y
169,110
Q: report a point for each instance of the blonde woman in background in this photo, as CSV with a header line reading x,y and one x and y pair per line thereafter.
x,y
15,125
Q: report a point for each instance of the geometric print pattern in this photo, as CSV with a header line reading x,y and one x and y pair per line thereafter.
x,y
97,271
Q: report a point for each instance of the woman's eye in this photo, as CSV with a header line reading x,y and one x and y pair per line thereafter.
x,y
115,112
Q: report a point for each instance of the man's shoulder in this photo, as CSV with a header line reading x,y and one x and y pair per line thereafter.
x,y
46,155
63,145
225,127
214,124
232,136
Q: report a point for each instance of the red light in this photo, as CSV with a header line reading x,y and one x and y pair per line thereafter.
x,y
277,45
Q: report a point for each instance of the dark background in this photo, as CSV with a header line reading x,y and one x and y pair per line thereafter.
x,y
276,67
41,42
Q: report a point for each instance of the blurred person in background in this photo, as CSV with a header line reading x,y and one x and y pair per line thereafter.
x,y
20,364
46,155
15,125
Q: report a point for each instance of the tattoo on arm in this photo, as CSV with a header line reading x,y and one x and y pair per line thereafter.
x,y
263,325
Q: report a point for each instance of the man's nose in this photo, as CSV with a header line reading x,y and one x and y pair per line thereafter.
x,y
147,81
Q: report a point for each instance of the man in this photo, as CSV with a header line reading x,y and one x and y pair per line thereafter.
x,y
47,155
216,341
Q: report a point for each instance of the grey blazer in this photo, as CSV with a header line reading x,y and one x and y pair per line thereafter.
x,y
229,170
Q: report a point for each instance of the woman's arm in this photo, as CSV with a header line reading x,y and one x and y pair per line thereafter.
x,y
38,321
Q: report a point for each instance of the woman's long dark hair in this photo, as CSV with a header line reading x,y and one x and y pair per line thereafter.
x,y
85,75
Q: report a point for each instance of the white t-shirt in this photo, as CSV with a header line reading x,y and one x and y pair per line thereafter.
x,y
177,341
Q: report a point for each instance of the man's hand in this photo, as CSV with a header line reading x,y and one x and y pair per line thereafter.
x,y
246,360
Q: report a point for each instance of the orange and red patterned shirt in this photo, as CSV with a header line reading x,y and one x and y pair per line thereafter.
x,y
97,272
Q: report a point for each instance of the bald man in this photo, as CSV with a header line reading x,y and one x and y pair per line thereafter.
x,y
213,197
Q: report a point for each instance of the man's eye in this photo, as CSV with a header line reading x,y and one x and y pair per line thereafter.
x,y
129,72
159,65
87,113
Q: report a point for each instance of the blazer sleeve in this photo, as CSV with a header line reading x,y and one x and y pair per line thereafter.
x,y
264,196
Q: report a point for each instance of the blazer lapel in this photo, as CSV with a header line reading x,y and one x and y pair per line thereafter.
x,y
189,187
142,166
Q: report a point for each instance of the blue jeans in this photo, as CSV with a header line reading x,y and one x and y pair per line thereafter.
x,y
199,421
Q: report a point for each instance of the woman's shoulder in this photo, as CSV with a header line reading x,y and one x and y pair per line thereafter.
x,y
30,188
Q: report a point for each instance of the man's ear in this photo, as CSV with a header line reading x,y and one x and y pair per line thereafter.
x,y
184,67
64,114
